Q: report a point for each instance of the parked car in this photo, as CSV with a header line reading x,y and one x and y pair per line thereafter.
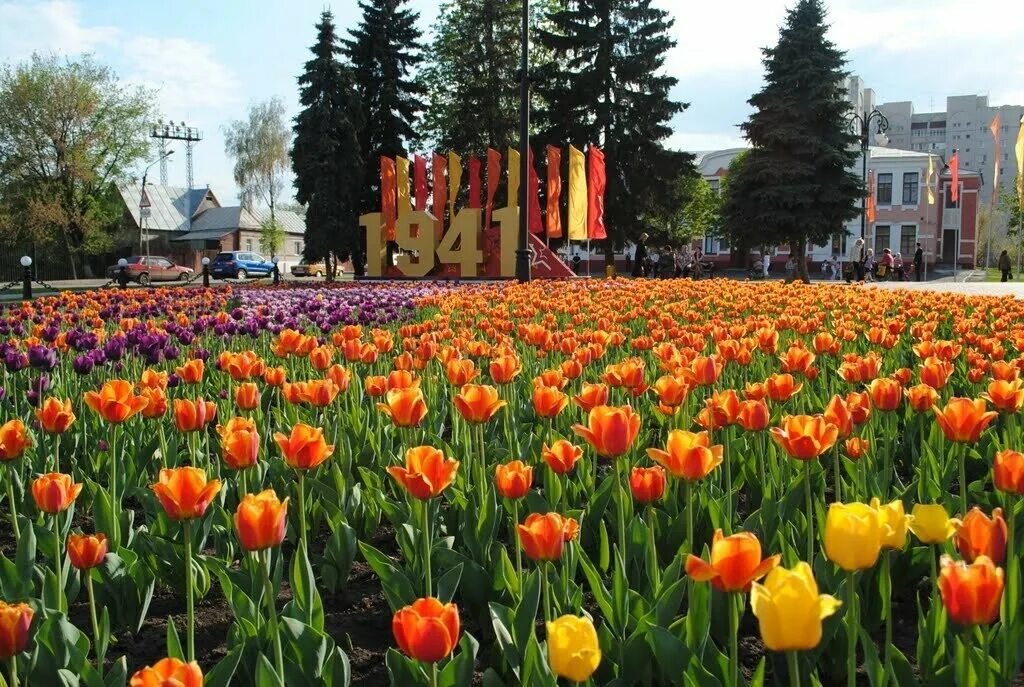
x,y
306,269
146,269
240,264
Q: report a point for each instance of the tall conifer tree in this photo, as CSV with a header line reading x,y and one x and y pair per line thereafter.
x,y
801,188
326,156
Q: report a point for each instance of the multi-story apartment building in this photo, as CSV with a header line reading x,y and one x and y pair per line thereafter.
x,y
964,125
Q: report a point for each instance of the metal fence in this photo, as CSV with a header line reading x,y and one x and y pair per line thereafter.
x,y
49,267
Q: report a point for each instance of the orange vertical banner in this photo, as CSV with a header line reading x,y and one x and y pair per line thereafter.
x,y
596,182
388,196
440,164
954,170
554,214
474,181
998,147
493,178
533,191
872,205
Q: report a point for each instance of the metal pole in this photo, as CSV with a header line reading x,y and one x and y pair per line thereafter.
x,y
142,195
523,251
956,249
864,178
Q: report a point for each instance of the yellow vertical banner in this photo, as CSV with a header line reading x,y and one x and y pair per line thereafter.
x,y
929,180
404,203
577,195
513,177
454,180
1019,149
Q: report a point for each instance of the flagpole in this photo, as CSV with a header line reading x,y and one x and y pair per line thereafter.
x,y
523,250
588,255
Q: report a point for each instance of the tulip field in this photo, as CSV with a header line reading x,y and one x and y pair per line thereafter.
x,y
615,482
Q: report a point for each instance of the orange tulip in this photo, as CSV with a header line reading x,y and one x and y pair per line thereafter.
x,y
735,563
153,379
321,356
319,393
936,372
971,593
261,520
963,420
116,401
591,396
886,393
543,536
855,448
192,371
860,406
903,375
553,378
753,416
980,535
13,440
247,396
192,416
405,407
375,386
798,360
688,455
402,379
572,369
460,372
611,430
184,492
243,366
505,368
15,620
921,397
156,402
672,390
781,387
647,484
754,391
706,370
478,403
1008,472
55,416
87,551
427,630
275,376
340,376
805,437
1006,396
305,448
169,672
561,456
426,473
239,443
723,409
839,414
548,401
55,492
513,479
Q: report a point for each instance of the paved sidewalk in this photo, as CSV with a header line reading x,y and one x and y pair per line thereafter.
x,y
971,288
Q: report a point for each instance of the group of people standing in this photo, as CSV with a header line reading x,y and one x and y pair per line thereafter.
x,y
866,266
665,262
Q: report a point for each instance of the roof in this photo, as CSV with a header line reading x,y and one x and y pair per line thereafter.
x,y
228,219
205,235
170,206
290,222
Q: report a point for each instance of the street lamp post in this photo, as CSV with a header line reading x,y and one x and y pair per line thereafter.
x,y
523,249
142,195
862,125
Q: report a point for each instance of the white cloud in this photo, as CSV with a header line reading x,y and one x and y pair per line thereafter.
x,y
704,140
55,26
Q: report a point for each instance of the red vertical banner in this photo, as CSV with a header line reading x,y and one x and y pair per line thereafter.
x,y
554,213
596,182
440,164
474,181
872,205
420,182
954,171
493,178
388,196
533,191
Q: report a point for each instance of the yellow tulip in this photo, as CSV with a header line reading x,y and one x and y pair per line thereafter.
x,y
931,523
789,609
892,515
853,535
573,651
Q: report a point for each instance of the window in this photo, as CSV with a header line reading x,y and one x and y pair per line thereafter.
x,y
910,188
881,239
949,196
298,248
908,240
248,245
884,192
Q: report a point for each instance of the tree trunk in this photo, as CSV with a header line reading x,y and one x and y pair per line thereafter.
x,y
798,249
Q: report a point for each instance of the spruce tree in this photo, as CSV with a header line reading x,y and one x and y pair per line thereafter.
x,y
384,54
606,86
326,156
801,188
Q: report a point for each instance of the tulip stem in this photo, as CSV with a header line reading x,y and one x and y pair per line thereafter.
x,y
268,592
852,628
302,509
986,639
689,516
794,669
115,504
189,601
433,674
546,586
14,671
734,648
426,545
809,513
652,542
515,538
95,624
838,476
57,560
10,501
968,636
1012,581
887,576
962,455
728,481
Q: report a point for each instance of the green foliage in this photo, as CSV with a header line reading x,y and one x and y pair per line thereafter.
x,y
1010,204
797,186
384,55
69,132
605,85
326,158
259,146
271,237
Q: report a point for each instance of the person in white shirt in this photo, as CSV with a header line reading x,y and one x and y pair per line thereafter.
x,y
766,261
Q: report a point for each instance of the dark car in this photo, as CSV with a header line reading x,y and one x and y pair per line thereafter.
x,y
146,269
240,264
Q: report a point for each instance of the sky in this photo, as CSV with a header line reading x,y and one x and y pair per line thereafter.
x,y
207,61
